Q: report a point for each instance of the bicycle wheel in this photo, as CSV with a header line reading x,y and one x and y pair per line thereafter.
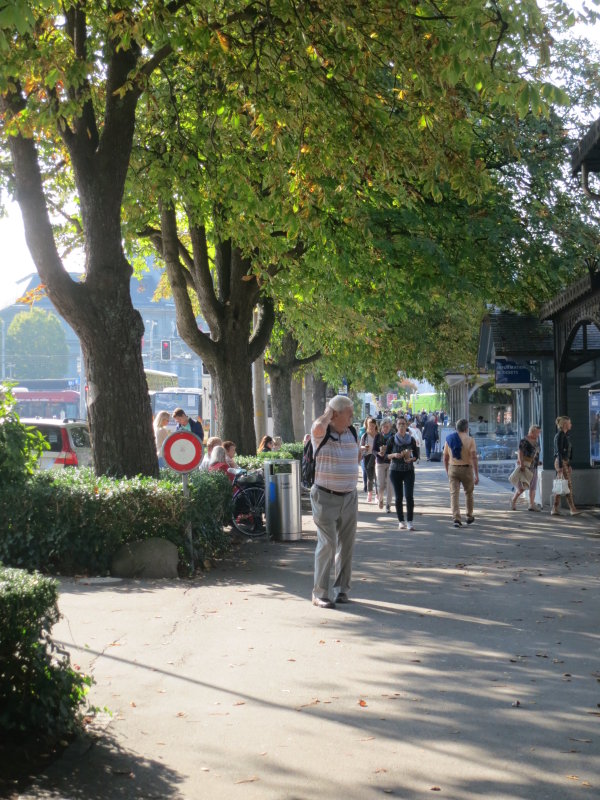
x,y
249,511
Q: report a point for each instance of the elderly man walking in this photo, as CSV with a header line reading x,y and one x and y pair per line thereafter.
x,y
460,461
334,499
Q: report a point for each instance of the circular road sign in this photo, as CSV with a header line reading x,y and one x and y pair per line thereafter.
x,y
182,451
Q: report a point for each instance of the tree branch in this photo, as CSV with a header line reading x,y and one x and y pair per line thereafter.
x,y
262,332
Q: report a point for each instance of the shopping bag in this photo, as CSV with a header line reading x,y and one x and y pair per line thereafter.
x,y
560,486
521,475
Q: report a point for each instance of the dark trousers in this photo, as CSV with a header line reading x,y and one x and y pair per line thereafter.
x,y
404,484
368,463
429,446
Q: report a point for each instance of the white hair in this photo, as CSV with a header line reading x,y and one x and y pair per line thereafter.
x,y
218,455
340,403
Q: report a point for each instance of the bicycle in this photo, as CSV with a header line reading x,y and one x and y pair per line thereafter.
x,y
248,517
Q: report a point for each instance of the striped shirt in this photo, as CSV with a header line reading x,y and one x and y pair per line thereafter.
x,y
337,462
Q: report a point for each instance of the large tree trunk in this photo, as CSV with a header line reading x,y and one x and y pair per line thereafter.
x,y
280,373
260,399
281,402
309,382
297,410
319,396
118,403
228,294
99,309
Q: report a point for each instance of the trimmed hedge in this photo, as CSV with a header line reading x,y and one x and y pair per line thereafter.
x,y
40,694
288,450
71,521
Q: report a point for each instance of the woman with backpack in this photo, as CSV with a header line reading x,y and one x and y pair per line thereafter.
x,y
402,452
368,456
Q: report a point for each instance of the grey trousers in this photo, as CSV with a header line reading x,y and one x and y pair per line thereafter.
x,y
335,518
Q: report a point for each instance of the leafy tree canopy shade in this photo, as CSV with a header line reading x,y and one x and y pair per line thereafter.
x,y
37,346
261,127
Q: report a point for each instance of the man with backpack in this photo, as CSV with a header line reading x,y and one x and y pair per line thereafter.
x,y
334,499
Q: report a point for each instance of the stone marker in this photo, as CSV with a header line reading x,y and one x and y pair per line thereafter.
x,y
148,558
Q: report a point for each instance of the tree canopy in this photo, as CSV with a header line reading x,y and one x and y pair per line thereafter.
x,y
37,346
270,153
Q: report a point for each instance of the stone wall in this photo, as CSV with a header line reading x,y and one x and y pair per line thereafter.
x,y
497,470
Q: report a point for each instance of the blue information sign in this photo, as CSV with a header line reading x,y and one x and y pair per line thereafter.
x,y
510,375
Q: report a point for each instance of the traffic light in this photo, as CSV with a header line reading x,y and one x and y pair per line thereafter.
x,y
165,350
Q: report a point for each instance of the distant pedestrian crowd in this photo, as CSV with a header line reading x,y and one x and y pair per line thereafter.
x,y
387,450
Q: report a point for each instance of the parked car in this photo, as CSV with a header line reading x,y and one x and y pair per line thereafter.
x,y
69,442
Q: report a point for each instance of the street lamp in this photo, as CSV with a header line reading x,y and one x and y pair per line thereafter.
x,y
152,323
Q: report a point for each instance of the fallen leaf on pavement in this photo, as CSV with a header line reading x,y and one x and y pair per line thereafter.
x,y
314,702
180,714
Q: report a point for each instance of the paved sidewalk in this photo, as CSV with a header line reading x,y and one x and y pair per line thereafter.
x,y
466,666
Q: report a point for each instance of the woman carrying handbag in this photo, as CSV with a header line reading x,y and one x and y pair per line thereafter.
x,y
563,456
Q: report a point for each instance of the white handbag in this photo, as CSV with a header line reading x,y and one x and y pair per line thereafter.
x,y
560,486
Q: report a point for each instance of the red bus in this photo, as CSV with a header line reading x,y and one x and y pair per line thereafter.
x,y
48,405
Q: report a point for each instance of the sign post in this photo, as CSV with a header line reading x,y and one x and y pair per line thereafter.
x,y
182,452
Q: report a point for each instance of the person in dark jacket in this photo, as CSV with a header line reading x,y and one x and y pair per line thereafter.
x,y
430,435
563,456
185,423
402,452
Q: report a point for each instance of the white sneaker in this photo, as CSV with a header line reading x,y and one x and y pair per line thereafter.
x,y
410,526
402,526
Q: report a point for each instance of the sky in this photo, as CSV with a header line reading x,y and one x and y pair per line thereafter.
x,y
16,260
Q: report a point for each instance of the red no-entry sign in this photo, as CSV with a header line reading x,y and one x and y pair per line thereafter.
x,y
182,451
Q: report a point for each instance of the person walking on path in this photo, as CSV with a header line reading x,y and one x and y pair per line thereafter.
x,y
460,461
334,499
430,435
382,467
528,457
367,441
402,451
563,456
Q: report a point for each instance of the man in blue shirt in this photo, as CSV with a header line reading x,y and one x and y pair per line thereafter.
x,y
185,423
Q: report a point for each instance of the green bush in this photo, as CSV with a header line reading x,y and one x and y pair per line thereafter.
x,y
20,446
69,521
40,694
288,450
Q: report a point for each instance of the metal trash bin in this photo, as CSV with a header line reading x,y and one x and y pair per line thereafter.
x,y
282,499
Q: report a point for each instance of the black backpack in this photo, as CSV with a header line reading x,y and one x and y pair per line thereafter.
x,y
309,457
